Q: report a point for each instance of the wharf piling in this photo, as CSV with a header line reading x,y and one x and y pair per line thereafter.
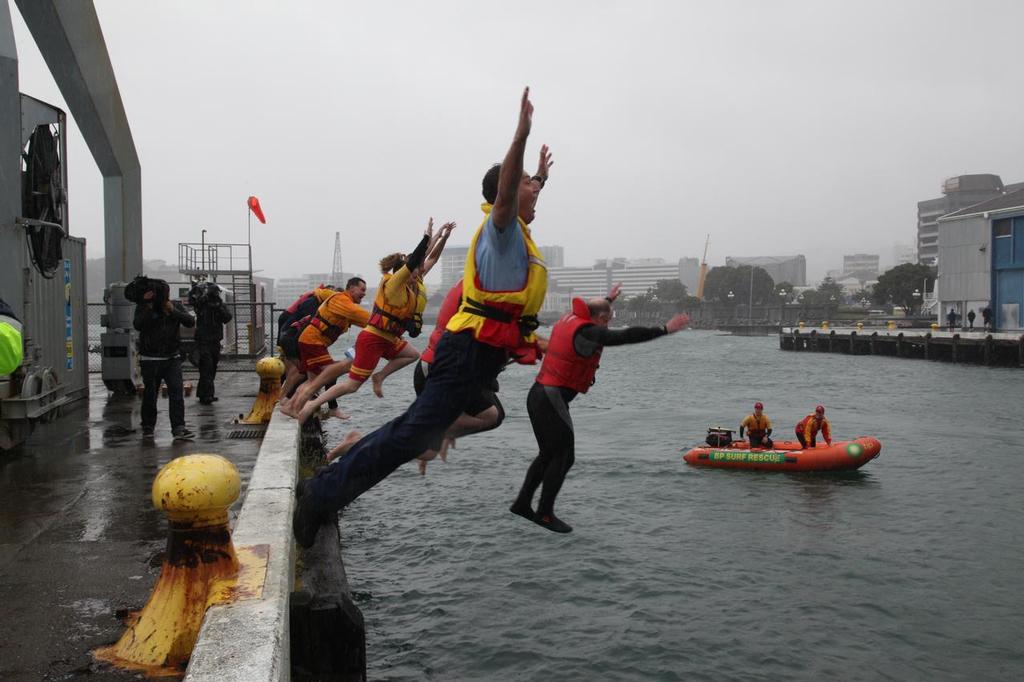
x,y
1004,349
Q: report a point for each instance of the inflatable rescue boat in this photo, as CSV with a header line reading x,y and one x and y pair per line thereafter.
x,y
787,456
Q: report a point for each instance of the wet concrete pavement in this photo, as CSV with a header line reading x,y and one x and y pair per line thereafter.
x,y
80,541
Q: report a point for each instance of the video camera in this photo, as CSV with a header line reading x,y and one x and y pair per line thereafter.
x,y
137,289
203,293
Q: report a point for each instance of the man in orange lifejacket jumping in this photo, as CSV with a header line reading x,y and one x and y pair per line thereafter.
x,y
569,367
397,308
808,427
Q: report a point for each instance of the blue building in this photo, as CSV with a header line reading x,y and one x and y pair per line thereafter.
x,y
981,260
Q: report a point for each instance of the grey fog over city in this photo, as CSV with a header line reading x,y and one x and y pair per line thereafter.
x,y
778,128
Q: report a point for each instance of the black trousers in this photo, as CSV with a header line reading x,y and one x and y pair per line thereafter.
x,y
169,372
209,356
552,426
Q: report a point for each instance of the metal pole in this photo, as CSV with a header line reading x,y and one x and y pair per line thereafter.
x,y
750,302
204,250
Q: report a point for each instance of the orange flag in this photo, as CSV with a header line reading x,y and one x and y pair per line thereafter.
x,y
254,206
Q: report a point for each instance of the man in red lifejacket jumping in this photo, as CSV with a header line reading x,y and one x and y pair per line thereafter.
x,y
569,367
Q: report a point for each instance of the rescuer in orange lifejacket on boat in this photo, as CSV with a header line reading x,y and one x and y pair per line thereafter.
x,y
570,363
808,427
758,426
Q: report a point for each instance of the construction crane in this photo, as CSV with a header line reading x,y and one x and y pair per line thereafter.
x,y
703,270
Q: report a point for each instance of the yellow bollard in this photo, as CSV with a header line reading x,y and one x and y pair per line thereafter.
x,y
935,326
824,325
200,567
270,370
890,325
801,324
860,326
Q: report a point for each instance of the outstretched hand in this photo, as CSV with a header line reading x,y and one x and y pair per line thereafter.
x,y
678,322
429,232
545,162
525,115
614,292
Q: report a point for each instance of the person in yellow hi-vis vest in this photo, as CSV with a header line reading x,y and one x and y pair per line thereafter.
x,y
12,345
503,288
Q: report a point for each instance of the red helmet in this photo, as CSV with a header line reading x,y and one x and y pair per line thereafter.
x,y
820,409
758,406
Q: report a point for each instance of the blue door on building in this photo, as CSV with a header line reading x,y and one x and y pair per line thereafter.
x,y
1008,272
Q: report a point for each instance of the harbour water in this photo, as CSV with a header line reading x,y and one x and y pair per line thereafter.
x,y
907,569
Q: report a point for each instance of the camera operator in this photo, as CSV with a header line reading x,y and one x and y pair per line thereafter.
x,y
159,322
211,316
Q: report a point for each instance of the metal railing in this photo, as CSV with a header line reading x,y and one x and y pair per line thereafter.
x,y
252,325
202,258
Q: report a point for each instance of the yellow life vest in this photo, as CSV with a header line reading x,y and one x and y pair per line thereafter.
x,y
501,318
392,319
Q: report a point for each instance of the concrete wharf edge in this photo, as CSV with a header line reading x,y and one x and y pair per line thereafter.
x,y
249,640
977,347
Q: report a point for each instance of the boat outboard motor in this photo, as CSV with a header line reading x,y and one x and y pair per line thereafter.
x,y
719,437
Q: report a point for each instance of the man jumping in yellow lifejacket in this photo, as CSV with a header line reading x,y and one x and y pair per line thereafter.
x,y
758,426
397,308
503,288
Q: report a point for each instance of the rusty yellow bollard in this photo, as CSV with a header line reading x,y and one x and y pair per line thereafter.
x,y
270,370
890,325
824,325
200,567
935,326
800,324
860,326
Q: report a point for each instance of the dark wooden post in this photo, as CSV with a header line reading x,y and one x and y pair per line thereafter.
x,y
927,344
899,345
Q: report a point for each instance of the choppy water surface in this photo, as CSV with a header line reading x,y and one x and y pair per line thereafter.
x,y
907,569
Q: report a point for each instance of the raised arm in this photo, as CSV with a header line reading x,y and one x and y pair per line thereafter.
x,y
434,251
543,168
506,205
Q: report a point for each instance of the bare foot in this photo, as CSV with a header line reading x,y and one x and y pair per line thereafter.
x,y
350,439
445,444
287,410
377,382
336,413
422,460
306,412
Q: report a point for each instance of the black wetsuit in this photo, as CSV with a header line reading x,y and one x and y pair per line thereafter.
x,y
548,407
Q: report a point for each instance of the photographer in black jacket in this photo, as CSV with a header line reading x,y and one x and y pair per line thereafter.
x,y
211,316
159,322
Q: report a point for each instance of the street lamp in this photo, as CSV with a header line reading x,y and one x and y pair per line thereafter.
x,y
731,296
782,309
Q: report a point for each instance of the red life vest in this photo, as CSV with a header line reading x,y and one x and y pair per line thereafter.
x,y
563,366
449,307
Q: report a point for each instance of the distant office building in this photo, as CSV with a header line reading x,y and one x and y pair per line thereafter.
x,y
287,289
637,276
957,193
861,262
904,253
862,267
792,269
981,262
453,262
554,256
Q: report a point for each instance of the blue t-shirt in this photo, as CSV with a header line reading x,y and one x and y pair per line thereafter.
x,y
502,260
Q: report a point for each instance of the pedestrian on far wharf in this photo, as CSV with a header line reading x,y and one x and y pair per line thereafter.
x,y
970,319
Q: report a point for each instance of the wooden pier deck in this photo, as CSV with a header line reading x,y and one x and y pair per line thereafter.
x,y
973,347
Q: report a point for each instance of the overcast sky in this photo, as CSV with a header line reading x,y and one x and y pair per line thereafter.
x,y
806,127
